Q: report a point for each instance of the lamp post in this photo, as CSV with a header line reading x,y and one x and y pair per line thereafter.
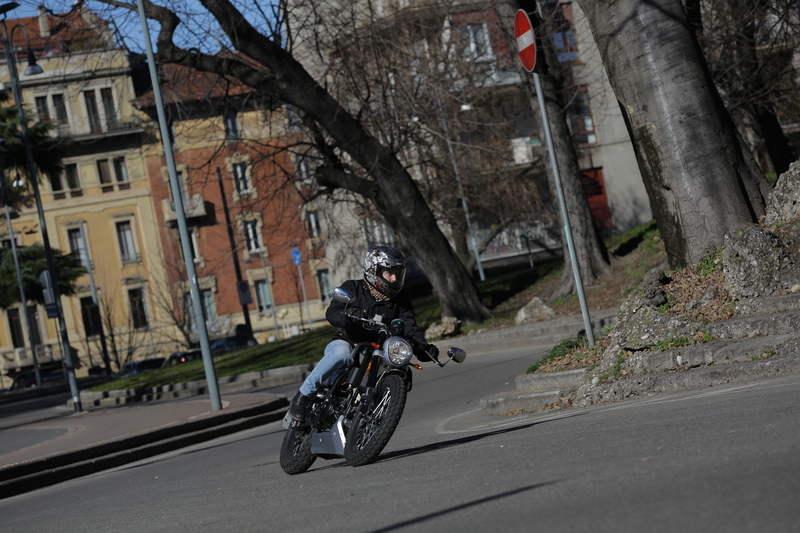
x,y
23,300
16,89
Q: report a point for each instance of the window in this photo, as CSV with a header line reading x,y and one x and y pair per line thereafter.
x,y
231,125
325,286
580,118
17,327
41,108
66,181
263,296
110,111
125,238
60,106
138,312
312,224
78,246
121,173
562,30
240,178
303,172
92,113
105,175
91,317
208,308
251,236
476,41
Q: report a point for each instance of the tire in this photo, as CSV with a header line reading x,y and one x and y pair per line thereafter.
x,y
369,434
296,456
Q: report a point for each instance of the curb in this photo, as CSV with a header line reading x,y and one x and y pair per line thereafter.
x,y
251,380
32,475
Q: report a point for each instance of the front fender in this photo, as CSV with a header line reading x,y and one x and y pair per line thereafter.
x,y
404,373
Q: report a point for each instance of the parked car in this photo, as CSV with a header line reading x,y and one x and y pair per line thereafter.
x,y
137,367
228,344
178,358
27,378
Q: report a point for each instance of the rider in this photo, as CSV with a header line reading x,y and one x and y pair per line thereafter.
x,y
384,273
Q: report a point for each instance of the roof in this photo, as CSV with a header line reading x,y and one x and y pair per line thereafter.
x,y
50,34
181,84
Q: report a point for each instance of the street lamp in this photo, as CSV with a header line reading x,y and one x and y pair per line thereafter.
x,y
16,89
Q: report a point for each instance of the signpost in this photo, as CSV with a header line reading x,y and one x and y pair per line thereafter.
x,y
526,47
297,258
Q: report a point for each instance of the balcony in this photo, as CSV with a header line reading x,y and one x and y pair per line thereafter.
x,y
18,358
195,209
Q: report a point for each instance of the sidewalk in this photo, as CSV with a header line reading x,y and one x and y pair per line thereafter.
x,y
53,450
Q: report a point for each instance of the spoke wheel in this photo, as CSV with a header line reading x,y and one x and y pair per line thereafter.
x,y
371,431
296,456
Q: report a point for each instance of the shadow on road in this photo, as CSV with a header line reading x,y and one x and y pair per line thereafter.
x,y
461,507
410,452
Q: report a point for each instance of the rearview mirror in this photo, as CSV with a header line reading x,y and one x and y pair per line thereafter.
x,y
342,296
457,354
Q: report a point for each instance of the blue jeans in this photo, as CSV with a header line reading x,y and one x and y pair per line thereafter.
x,y
336,356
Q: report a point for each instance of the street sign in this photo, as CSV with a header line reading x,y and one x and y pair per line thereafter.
x,y
526,43
297,257
243,288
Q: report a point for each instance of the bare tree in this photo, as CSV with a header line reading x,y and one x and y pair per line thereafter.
x,y
701,180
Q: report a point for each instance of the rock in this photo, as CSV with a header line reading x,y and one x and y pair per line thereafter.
x,y
784,202
707,298
448,327
534,311
757,263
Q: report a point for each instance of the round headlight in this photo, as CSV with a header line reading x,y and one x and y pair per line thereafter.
x,y
397,351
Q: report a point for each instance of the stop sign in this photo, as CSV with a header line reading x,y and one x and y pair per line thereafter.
x,y
526,44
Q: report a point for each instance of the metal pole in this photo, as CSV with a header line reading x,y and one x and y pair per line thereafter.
x,y
271,298
305,299
51,266
237,269
474,241
84,251
202,333
576,270
23,300
147,317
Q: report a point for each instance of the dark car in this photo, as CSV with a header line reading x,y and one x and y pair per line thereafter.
x,y
137,367
27,378
178,358
228,344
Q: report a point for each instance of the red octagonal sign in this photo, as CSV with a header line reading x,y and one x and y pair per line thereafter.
x,y
526,44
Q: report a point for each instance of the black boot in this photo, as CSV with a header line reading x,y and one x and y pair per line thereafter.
x,y
299,405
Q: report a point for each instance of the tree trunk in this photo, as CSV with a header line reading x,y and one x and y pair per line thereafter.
x,y
590,250
393,191
700,178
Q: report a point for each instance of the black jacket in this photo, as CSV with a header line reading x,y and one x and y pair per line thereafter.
x,y
398,307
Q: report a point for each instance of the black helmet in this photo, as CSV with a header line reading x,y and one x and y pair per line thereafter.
x,y
378,259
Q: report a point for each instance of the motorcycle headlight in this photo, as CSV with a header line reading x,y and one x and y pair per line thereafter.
x,y
397,351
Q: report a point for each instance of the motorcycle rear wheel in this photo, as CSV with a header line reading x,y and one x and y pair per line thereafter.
x,y
370,432
296,456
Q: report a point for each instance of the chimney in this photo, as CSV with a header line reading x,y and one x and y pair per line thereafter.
x,y
44,25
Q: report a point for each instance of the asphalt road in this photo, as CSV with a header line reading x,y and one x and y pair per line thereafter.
x,y
719,459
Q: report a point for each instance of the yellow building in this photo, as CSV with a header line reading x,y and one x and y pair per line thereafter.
x,y
101,193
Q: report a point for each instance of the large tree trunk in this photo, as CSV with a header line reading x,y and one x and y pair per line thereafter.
x,y
701,180
590,250
392,189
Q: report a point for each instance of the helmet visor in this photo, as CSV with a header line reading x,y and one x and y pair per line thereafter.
x,y
394,276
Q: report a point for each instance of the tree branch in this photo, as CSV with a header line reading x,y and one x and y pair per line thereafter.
x,y
331,177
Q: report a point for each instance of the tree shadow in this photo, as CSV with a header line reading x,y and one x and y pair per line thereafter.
x,y
461,507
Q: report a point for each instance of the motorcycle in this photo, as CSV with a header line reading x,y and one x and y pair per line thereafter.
x,y
355,416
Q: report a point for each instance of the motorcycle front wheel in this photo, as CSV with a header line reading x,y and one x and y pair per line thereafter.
x,y
296,456
371,431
